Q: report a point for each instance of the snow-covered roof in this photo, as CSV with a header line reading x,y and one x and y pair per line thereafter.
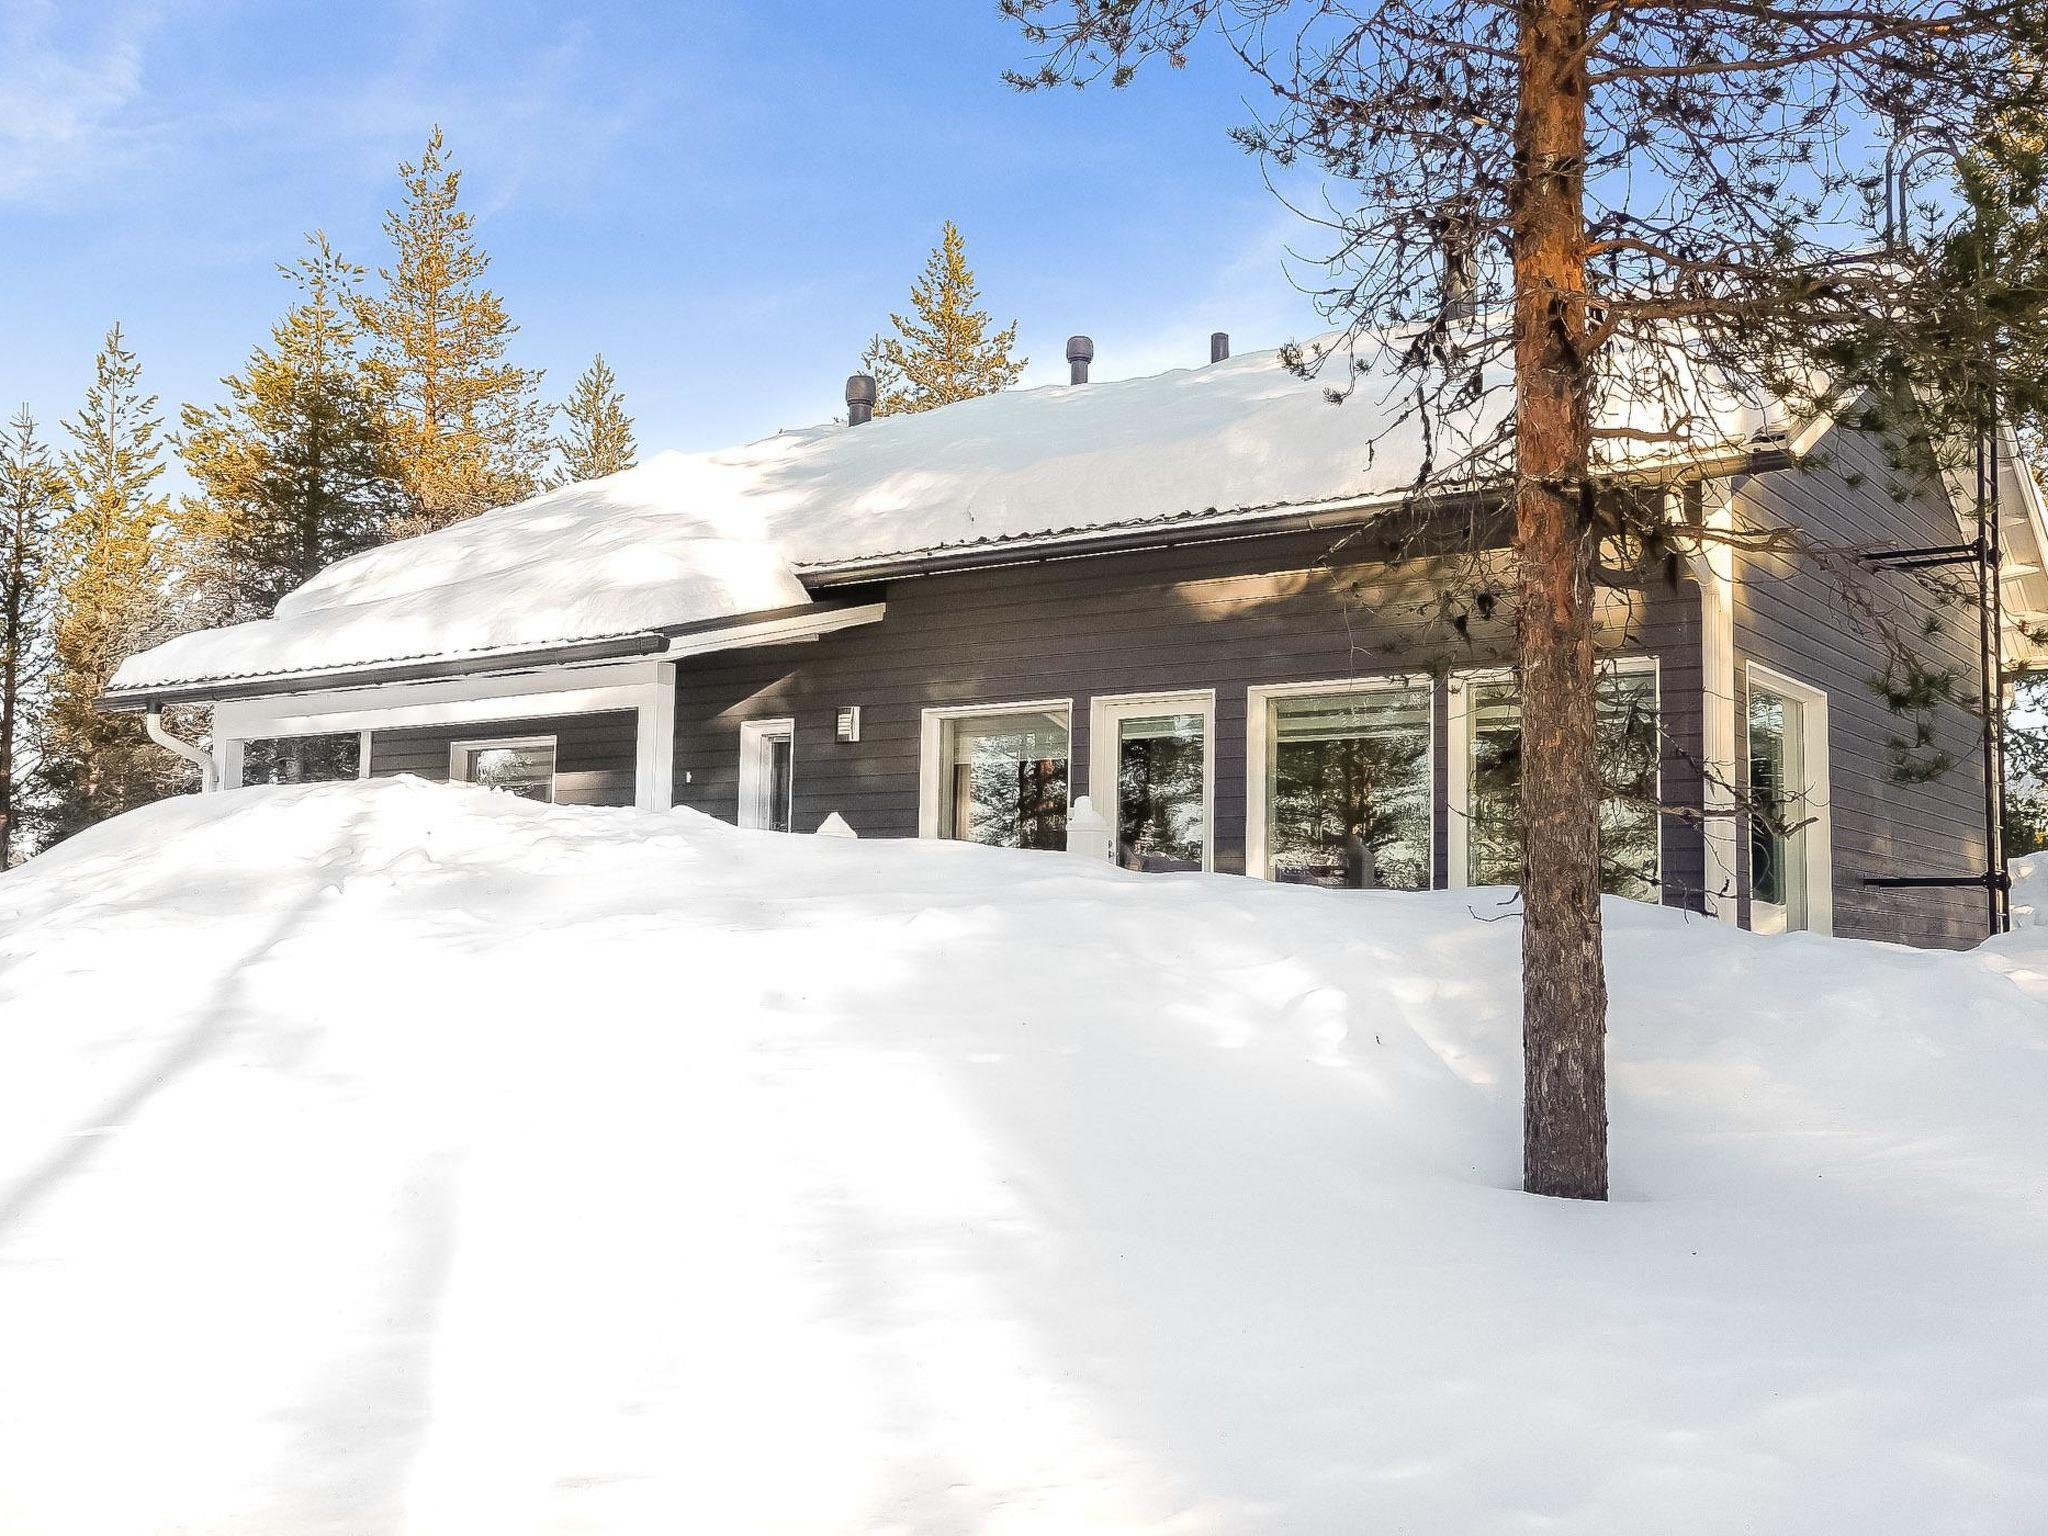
x,y
690,537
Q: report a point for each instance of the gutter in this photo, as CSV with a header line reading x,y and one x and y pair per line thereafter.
x,y
153,722
1211,528
1163,534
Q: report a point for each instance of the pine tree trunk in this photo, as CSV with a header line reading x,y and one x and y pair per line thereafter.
x,y
1564,986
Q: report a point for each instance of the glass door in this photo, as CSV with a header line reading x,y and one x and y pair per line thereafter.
x,y
1153,755
767,773
1778,814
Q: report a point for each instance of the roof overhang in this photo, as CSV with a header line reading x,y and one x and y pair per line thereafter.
x,y
1160,533
1216,527
416,670
782,626
777,626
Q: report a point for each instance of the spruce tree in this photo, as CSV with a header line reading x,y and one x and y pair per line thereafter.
x,y
944,351
109,603
32,498
467,429
600,440
294,472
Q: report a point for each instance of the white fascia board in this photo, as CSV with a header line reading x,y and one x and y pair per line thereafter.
x,y
784,631
1801,443
565,690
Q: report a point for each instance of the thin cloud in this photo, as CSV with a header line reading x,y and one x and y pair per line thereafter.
x,y
91,111
69,77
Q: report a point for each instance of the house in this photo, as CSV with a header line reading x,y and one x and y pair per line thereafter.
x,y
1195,598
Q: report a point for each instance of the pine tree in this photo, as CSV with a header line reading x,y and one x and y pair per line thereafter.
x,y
109,603
293,470
600,437
467,429
1554,219
32,498
944,352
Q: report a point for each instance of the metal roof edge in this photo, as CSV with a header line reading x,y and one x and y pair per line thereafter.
x,y
1174,529
369,675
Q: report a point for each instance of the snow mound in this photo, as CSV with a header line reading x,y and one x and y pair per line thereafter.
x,y
2030,892
689,537
382,1157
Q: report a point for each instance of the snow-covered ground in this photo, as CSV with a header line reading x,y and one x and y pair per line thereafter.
x,y
387,1158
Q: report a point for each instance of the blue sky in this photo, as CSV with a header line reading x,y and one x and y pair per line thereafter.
x,y
724,198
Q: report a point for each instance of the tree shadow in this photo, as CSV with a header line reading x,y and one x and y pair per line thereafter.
x,y
209,1029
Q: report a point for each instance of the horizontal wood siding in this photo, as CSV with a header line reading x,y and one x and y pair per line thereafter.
x,y
1790,616
1219,616
594,754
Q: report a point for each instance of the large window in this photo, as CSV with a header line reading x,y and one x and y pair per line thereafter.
x,y
302,759
1491,820
523,765
1340,792
1157,750
999,776
1790,869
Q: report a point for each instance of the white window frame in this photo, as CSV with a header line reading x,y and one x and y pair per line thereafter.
x,y
1458,723
1106,710
1817,848
1258,726
647,688
458,756
931,737
755,736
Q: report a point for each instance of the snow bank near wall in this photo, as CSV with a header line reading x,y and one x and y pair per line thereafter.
x,y
385,1157
2030,892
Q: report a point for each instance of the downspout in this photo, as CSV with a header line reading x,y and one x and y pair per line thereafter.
x,y
153,722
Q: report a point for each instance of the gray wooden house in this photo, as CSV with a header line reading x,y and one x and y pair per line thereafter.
x,y
1187,597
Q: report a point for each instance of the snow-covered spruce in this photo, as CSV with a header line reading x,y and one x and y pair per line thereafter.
x,y
393,1157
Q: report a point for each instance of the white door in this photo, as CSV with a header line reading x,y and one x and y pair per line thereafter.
x,y
1152,768
767,773
1790,864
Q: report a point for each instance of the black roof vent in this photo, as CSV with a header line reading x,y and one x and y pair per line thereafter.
x,y
1219,346
1080,353
860,399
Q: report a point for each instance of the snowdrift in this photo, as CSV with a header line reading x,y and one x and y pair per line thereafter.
x,y
395,1158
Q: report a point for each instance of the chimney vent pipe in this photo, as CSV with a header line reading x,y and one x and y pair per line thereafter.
x,y
860,399
1080,353
1219,346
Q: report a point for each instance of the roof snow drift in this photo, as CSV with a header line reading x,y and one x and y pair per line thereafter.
x,y
690,537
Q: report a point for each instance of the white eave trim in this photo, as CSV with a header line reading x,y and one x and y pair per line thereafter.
x,y
782,631
1802,442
